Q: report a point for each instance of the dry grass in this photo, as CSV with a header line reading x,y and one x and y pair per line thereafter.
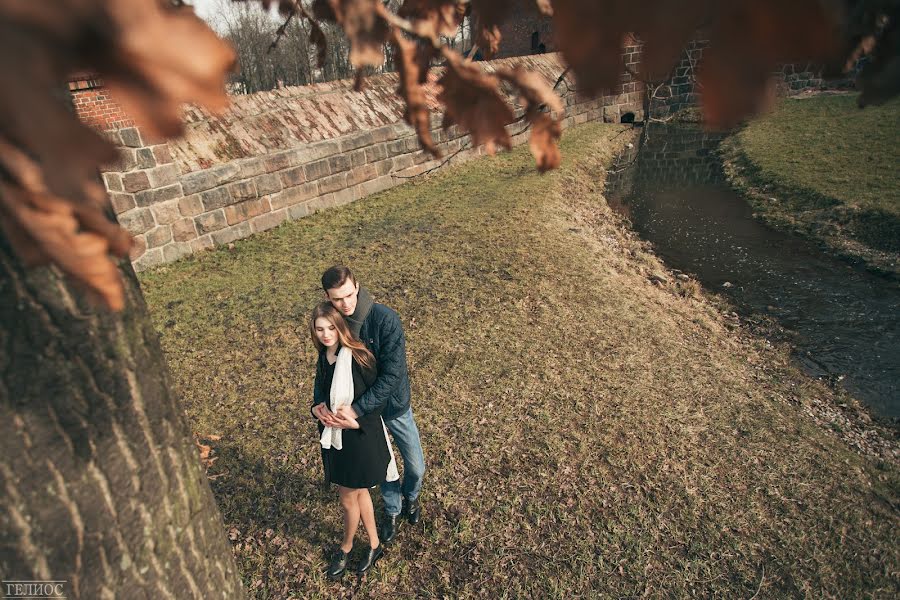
x,y
587,432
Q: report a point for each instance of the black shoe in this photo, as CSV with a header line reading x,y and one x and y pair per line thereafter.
x,y
369,560
413,511
338,564
388,530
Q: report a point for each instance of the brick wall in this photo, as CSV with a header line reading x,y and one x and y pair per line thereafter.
x,y
94,106
523,34
285,154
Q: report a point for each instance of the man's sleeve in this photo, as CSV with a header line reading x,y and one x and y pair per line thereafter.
x,y
392,351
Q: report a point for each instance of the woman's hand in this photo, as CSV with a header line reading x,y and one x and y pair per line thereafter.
x,y
346,418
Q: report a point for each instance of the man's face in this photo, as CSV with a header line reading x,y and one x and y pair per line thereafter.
x,y
344,297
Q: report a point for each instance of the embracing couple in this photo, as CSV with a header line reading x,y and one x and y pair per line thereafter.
x,y
361,392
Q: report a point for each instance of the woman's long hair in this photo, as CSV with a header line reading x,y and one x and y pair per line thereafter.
x,y
325,310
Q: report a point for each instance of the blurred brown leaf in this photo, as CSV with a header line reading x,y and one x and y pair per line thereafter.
x,y
545,130
363,22
434,17
473,101
52,206
489,15
412,75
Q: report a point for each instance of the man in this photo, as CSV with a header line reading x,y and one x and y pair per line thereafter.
x,y
380,330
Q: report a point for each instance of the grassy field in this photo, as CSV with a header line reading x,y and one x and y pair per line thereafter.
x,y
825,168
588,433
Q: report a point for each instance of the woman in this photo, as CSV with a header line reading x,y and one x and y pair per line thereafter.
x,y
355,452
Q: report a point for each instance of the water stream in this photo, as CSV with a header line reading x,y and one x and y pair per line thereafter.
x,y
843,321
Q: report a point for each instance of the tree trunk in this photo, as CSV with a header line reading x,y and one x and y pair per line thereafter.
x,y
100,480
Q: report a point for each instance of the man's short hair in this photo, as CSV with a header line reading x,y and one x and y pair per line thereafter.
x,y
336,276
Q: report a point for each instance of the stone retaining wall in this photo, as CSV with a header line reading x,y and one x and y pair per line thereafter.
x,y
682,91
285,154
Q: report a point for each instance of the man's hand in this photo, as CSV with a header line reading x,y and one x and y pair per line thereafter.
x,y
346,418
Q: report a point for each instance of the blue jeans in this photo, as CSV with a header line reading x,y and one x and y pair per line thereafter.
x,y
406,437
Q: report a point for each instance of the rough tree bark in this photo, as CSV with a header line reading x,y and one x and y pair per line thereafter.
x,y
100,481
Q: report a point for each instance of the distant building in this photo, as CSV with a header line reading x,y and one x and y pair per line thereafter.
x,y
526,32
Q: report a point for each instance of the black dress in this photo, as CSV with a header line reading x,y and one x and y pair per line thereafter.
x,y
362,461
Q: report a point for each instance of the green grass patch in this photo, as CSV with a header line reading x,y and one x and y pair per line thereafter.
x,y
825,168
587,433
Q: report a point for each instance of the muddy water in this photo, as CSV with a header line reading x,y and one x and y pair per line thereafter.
x,y
843,321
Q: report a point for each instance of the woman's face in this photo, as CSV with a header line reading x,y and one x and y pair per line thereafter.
x,y
326,332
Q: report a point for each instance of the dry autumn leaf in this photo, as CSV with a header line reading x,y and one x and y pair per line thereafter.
x,y
363,22
52,206
473,101
412,76
433,18
546,131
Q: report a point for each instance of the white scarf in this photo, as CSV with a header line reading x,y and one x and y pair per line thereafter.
x,y
342,395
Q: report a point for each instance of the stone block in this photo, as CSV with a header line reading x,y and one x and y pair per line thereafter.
x,y
126,160
164,175
357,158
383,167
184,230
216,198
244,211
320,203
137,220
138,247
320,150
376,153
145,158
166,212
360,174
131,137
359,140
135,182
268,184
211,221
243,190
292,177
403,162
158,236
298,211
190,205
277,161
252,167
202,243
151,258
163,154
317,170
396,147
332,183
176,251
198,181
113,182
121,202
338,163
268,221
377,185
383,134
155,196
294,195
347,195
235,232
